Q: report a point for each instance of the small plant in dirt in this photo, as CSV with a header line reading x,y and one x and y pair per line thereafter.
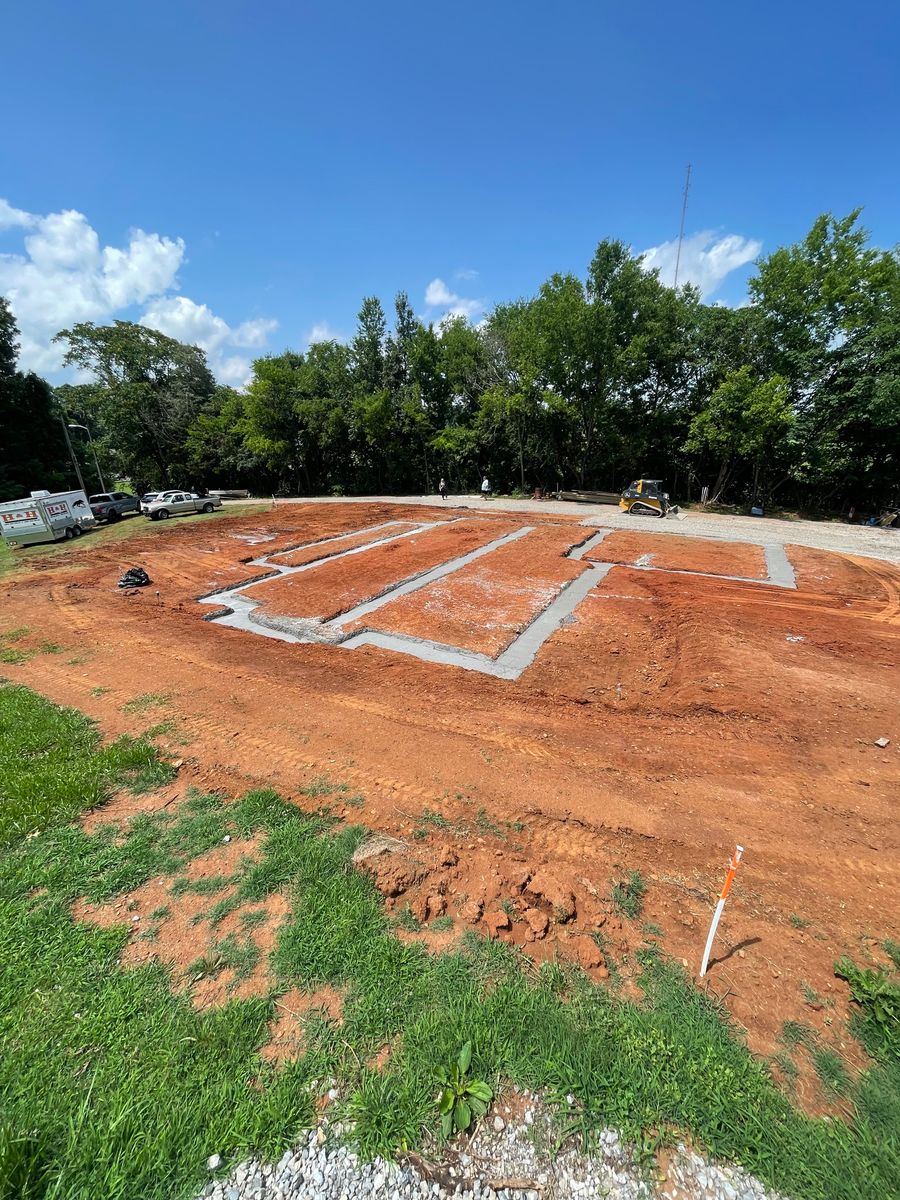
x,y
793,1033
97,692
799,922
876,994
892,950
510,909
11,656
148,700
15,635
461,1100
628,895
831,1071
322,786
407,920
51,648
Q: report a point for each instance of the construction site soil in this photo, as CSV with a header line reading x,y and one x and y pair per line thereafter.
x,y
670,716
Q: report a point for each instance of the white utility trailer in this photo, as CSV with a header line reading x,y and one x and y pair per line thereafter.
x,y
45,517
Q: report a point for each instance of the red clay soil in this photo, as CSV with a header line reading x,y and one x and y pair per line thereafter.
x,y
672,717
325,548
485,605
843,575
673,553
180,936
337,586
288,1030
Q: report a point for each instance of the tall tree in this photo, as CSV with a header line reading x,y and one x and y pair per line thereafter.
x,y
367,347
746,419
33,452
149,388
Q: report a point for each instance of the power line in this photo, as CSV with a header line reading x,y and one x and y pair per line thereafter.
x,y
687,184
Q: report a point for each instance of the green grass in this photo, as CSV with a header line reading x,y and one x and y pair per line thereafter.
x,y
12,656
52,766
15,635
147,700
831,1070
892,950
628,895
322,786
144,1088
799,922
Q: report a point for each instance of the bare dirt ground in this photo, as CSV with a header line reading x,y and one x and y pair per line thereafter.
x,y
671,716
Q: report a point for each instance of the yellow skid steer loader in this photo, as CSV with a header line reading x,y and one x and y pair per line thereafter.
x,y
646,497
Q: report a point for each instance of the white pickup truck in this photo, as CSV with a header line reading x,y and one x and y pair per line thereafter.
x,y
174,504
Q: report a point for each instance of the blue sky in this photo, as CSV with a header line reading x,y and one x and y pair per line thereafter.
x,y
280,160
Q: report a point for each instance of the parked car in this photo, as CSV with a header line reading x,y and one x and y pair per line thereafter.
x,y
173,504
111,506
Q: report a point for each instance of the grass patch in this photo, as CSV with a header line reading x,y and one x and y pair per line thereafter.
x,y
799,922
50,648
52,766
207,885
160,730
628,895
12,656
144,1088
97,692
141,703
16,634
831,1070
442,924
892,950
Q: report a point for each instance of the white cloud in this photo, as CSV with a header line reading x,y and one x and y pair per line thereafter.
x,y
439,296
11,217
706,258
323,332
467,273
197,325
65,275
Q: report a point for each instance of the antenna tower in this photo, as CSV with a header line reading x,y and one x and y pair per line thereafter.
x,y
687,184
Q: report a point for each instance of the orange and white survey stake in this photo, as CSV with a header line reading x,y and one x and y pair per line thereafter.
x,y
720,907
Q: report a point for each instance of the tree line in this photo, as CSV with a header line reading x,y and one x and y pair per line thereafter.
x,y
791,399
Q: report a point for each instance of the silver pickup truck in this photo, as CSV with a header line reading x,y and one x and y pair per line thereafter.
x,y
111,506
174,504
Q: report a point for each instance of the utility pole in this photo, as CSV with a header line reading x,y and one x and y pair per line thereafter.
x,y
687,184
62,421
94,452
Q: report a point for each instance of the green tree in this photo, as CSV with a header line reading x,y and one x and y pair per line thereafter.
x,y
33,452
830,307
745,419
148,390
271,423
367,347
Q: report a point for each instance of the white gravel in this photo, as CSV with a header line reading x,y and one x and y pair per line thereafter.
x,y
870,542
506,1159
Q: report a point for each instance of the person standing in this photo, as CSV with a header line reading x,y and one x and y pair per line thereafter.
x,y
442,488
485,487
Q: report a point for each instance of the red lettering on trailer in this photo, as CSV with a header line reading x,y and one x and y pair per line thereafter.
x,y
28,514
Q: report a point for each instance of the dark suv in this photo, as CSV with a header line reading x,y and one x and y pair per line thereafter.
x,y
110,506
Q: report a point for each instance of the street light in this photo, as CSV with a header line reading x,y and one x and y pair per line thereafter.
x,y
94,452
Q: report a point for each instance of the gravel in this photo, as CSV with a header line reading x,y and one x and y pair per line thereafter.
x,y
508,1158
868,541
